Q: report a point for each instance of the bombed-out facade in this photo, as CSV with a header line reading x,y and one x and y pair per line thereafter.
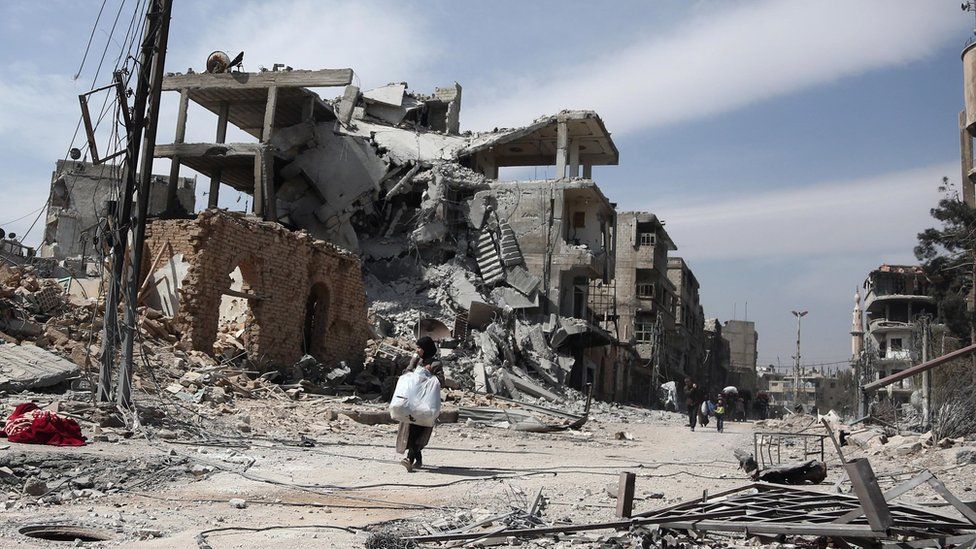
x,y
372,218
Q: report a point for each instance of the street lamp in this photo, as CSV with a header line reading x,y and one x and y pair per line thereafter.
x,y
796,364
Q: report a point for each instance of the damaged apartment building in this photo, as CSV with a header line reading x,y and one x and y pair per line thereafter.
x,y
372,217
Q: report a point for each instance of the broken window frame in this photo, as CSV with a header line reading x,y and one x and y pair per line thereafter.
x,y
644,332
643,292
647,239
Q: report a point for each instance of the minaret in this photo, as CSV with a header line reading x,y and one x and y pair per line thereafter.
x,y
857,329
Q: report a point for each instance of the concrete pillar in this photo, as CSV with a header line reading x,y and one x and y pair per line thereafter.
x,y
269,113
264,167
562,148
587,171
221,137
258,206
966,155
574,163
172,198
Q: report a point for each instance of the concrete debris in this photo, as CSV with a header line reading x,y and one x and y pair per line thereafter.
x,y
25,367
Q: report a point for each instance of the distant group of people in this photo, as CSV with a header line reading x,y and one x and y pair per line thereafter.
x,y
728,404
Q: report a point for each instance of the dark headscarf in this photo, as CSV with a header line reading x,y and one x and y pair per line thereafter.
x,y
429,347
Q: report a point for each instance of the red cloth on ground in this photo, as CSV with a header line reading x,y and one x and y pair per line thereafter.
x,y
31,425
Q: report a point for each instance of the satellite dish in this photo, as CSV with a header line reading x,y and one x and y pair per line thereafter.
x,y
218,62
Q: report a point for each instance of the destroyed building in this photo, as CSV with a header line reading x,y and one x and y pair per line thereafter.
x,y
743,344
530,285
81,199
894,299
689,331
287,294
717,357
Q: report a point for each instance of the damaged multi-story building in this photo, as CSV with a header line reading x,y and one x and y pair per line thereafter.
x,y
743,353
533,285
689,321
81,199
895,297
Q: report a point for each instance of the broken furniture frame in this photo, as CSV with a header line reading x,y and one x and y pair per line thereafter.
x,y
767,441
87,118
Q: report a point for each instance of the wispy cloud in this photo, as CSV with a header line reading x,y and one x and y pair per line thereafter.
x,y
381,41
726,59
879,214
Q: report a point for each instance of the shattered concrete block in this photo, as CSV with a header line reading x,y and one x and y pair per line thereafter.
x,y
346,106
462,291
24,367
508,297
435,231
519,278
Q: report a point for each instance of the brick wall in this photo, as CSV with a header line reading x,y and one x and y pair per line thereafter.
x,y
282,269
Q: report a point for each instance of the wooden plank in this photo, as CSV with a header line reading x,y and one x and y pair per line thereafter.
x,y
245,295
940,488
625,494
830,433
869,494
324,78
536,503
152,268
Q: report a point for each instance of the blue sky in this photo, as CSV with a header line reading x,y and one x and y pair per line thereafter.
x,y
791,147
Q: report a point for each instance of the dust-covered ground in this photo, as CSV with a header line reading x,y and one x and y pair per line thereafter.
x,y
287,474
153,492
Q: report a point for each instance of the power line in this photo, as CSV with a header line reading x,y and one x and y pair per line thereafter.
x,y
90,38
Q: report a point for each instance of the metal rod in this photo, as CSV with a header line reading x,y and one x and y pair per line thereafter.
x,y
915,370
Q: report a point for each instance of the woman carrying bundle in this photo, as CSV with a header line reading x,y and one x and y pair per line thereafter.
x,y
413,438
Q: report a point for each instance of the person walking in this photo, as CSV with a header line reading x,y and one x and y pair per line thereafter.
x,y
412,438
692,401
720,414
707,409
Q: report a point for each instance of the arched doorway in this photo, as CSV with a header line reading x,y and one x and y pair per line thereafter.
x,y
316,320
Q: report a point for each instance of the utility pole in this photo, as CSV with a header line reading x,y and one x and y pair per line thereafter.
x,y
134,281
926,375
796,364
110,333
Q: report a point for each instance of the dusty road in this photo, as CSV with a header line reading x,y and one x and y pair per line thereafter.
x,y
168,493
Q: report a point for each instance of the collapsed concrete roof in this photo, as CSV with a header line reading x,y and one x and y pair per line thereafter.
x,y
536,144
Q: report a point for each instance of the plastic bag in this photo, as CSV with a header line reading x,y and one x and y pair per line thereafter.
x,y
417,398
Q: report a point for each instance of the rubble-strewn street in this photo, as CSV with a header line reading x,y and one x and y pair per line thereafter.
x,y
318,306
307,463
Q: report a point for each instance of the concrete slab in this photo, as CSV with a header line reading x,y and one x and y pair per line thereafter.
x,y
519,278
24,367
513,298
390,94
462,291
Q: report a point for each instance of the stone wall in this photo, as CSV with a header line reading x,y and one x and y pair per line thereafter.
x,y
288,273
